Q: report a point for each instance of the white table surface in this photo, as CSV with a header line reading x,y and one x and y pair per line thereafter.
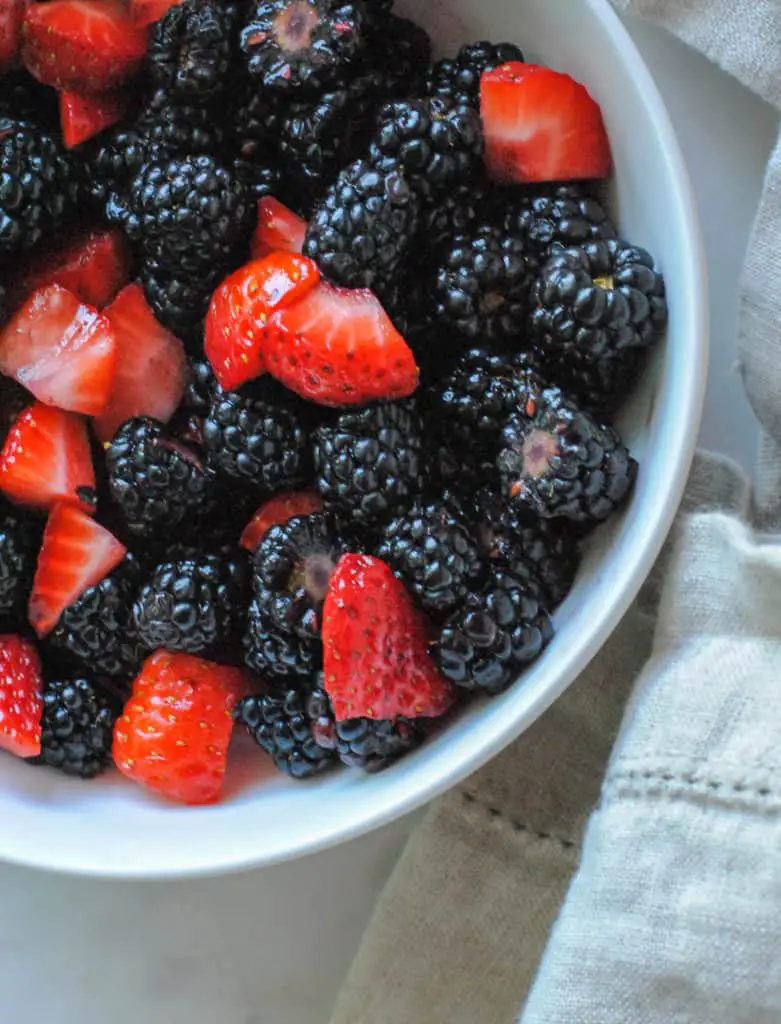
x,y
272,947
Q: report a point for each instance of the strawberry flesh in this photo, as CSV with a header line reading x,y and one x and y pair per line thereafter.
x,y
11,19
21,697
83,115
276,511
278,229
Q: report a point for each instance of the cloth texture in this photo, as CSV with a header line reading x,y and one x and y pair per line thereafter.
x,y
662,905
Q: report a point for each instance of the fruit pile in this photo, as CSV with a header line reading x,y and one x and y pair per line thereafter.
x,y
309,349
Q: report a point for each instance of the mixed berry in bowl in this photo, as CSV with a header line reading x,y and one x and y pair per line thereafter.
x,y
310,350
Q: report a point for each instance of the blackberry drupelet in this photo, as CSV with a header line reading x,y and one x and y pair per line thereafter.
x,y
432,552
459,78
257,436
171,128
155,481
20,539
291,726
481,285
111,160
450,213
364,226
96,630
190,49
180,300
303,45
201,388
264,178
274,654
374,745
558,462
369,463
77,727
498,631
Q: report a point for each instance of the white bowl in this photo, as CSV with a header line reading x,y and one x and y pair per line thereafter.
x,y
112,828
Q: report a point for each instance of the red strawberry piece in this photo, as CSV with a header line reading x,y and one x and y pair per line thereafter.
x,y
151,370
541,125
11,19
240,310
94,267
76,553
46,458
21,696
81,44
278,230
278,510
61,350
174,733
375,647
146,12
83,115
339,347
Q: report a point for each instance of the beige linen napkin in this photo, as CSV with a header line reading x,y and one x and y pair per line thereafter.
x,y
674,912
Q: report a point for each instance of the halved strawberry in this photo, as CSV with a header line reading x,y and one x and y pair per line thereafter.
x,y
76,553
276,511
278,229
82,44
21,696
151,370
11,19
541,125
145,12
241,308
339,347
46,458
83,115
94,267
375,647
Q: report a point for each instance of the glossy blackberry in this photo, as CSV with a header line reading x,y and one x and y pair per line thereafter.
x,y
20,539
558,462
452,212
179,300
369,464
189,214
437,143
201,388
265,178
275,654
374,745
190,49
171,128
302,44
251,435
155,481
363,228
291,726
546,549
39,187
496,633
96,630
77,727
431,550
481,286
111,160
459,77
196,605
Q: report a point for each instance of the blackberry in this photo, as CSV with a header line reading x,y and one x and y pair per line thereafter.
x,y
459,78
452,212
600,385
481,285
558,462
189,214
303,44
459,477
250,435
399,58
39,187
201,388
77,727
156,482
436,143
275,654
266,179
497,632
171,128
190,49
111,160
292,567
363,228
96,630
180,301
369,463
431,550
291,726
20,539
374,745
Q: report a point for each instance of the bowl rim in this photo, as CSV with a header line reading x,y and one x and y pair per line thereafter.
x,y
400,800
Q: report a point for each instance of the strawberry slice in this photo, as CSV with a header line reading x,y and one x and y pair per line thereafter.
x,y
21,696
94,267
76,554
146,12
278,229
240,310
84,115
276,511
81,44
541,125
339,347
11,19
61,350
46,458
151,370
375,647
